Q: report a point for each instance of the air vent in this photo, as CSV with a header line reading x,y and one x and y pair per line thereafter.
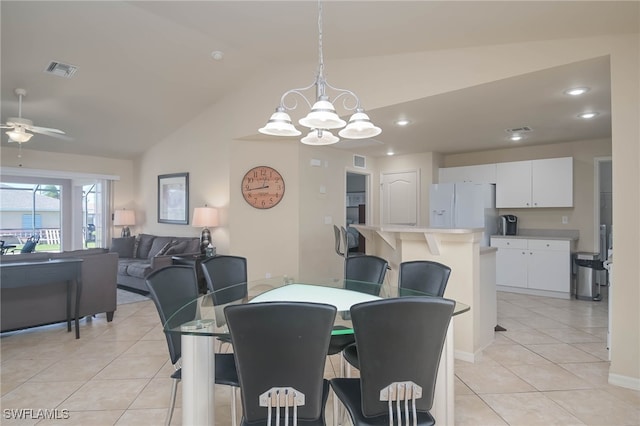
x,y
359,161
60,69
523,129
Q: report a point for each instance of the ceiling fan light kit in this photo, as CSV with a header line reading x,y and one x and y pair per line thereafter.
x,y
19,126
323,117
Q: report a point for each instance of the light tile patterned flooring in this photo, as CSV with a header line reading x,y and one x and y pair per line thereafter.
x,y
549,367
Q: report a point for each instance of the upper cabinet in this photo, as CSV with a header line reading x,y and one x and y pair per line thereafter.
x,y
482,173
535,183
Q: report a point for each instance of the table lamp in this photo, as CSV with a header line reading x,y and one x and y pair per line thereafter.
x,y
205,217
124,218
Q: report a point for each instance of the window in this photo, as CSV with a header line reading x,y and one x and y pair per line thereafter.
x,y
66,213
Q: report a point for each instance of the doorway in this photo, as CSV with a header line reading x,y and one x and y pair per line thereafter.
x,y
357,209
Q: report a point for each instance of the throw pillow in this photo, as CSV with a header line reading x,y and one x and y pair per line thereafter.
x,y
165,248
145,242
123,246
177,248
159,243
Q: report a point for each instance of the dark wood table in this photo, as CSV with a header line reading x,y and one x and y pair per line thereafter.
x,y
43,272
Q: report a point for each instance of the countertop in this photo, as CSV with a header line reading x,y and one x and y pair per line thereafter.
x,y
536,237
544,234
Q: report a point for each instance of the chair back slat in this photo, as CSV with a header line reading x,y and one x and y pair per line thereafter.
x,y
278,398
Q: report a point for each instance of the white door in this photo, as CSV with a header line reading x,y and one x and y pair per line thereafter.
x,y
399,195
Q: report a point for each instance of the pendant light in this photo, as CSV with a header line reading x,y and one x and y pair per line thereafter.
x,y
323,116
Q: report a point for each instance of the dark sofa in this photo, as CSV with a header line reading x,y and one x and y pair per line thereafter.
x,y
32,306
145,253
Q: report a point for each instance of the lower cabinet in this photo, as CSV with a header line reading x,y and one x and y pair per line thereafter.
x,y
537,265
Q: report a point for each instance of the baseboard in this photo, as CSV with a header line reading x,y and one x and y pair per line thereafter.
x,y
534,292
467,356
624,381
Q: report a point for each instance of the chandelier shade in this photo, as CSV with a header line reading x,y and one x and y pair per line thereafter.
x,y
280,125
323,115
360,127
319,137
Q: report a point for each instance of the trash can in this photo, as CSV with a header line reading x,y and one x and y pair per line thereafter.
x,y
586,266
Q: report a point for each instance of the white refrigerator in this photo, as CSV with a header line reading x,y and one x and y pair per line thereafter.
x,y
464,205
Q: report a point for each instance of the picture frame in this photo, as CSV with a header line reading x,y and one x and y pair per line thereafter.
x,y
173,198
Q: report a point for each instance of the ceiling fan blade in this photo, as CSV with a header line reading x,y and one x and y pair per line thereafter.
x,y
6,126
37,129
46,132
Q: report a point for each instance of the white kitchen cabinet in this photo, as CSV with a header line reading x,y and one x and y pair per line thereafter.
x,y
552,182
537,266
481,173
513,184
511,262
535,183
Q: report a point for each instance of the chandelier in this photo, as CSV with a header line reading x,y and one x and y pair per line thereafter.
x,y
322,118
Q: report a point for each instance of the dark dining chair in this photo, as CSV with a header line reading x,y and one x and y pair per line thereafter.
x,y
365,268
281,350
226,272
171,288
419,277
423,276
226,278
397,363
359,273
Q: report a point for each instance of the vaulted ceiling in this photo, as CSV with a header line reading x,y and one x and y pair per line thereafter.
x,y
145,67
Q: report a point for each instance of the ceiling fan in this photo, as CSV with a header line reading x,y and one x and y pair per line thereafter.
x,y
20,127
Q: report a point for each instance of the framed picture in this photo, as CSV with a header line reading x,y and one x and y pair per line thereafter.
x,y
173,198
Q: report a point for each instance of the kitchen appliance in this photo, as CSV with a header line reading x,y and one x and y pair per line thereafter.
x,y
464,205
508,224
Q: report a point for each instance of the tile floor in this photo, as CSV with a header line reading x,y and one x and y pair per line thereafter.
x,y
549,367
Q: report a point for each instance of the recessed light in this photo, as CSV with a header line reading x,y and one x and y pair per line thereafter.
x,y
577,91
515,138
402,122
217,55
588,115
389,152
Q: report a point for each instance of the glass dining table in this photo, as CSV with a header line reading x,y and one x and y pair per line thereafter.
x,y
201,321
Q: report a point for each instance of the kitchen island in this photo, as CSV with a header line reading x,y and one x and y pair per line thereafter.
x,y
472,280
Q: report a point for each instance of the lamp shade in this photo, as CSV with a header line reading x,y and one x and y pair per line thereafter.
x,y
124,217
205,217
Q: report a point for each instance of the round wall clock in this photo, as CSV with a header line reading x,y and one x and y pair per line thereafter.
x,y
262,187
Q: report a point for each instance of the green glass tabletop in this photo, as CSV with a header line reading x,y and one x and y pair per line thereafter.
x,y
205,315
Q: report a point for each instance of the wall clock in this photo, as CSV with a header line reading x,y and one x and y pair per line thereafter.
x,y
262,187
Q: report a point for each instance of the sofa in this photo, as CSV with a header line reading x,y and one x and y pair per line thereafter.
x,y
32,306
140,255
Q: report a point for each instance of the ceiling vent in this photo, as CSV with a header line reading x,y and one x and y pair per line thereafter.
x,y
359,161
60,69
523,129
